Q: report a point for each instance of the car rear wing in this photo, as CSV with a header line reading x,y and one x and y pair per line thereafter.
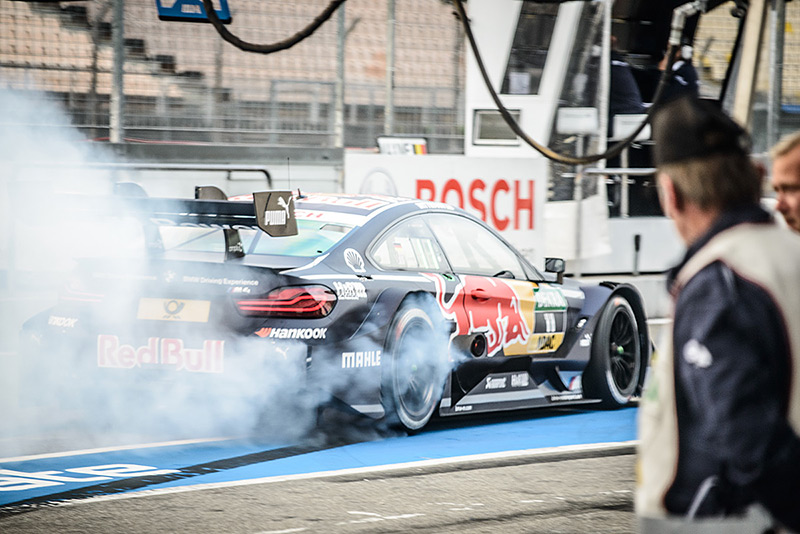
x,y
271,211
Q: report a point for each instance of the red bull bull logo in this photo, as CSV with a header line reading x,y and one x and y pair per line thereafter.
x,y
488,305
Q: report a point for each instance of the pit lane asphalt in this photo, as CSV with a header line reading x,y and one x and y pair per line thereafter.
x,y
580,461
592,494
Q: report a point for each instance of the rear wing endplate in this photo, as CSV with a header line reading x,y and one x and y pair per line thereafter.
x,y
271,211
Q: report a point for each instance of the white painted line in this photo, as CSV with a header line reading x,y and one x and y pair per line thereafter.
x,y
543,452
109,449
375,518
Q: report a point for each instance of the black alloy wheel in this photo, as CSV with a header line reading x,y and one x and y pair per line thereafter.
x,y
614,371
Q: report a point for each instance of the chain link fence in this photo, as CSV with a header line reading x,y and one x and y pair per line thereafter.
x,y
713,44
184,84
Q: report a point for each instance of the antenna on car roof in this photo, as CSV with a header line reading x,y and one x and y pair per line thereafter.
x,y
289,175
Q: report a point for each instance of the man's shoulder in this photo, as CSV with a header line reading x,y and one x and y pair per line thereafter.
x,y
715,284
719,301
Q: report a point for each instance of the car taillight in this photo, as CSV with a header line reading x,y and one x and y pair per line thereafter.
x,y
75,290
308,302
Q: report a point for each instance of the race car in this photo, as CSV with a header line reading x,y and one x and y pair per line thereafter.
x,y
395,308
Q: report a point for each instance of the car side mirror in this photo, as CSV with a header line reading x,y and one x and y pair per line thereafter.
x,y
555,265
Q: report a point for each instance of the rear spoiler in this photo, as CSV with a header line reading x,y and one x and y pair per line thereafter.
x,y
271,211
233,243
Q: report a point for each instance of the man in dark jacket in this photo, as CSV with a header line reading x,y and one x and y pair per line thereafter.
x,y
684,79
720,419
624,97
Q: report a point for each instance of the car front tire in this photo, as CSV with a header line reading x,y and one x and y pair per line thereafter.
x,y
616,362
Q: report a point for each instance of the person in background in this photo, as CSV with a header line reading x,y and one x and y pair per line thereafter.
x,y
625,96
786,178
684,79
720,419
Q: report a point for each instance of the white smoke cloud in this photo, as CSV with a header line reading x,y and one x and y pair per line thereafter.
x,y
54,400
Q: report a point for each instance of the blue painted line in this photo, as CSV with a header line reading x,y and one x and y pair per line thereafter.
x,y
235,460
555,431
12,474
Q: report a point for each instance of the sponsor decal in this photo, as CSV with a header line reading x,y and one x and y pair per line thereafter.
x,y
279,217
467,408
62,322
434,206
507,313
354,260
495,382
550,322
169,276
237,290
192,311
173,308
12,480
367,358
520,380
219,281
292,333
360,203
502,319
550,299
586,340
566,397
544,342
350,290
167,352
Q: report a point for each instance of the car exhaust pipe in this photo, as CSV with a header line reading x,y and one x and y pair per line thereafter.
x,y
478,346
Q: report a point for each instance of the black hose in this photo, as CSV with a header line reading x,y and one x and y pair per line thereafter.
x,y
274,47
545,151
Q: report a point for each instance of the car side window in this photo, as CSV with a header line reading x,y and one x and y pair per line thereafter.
x,y
472,249
409,245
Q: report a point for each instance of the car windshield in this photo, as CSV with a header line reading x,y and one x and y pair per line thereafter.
x,y
313,238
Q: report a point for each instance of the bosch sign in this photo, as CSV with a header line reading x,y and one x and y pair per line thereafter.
x,y
497,203
509,194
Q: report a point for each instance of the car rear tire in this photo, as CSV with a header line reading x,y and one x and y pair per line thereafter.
x,y
412,384
615,367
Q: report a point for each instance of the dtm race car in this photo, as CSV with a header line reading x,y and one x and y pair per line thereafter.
x,y
396,308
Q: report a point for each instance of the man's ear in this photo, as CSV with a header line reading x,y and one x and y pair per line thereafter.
x,y
666,193
671,199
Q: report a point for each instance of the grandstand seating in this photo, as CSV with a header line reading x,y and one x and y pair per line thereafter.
x,y
182,75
